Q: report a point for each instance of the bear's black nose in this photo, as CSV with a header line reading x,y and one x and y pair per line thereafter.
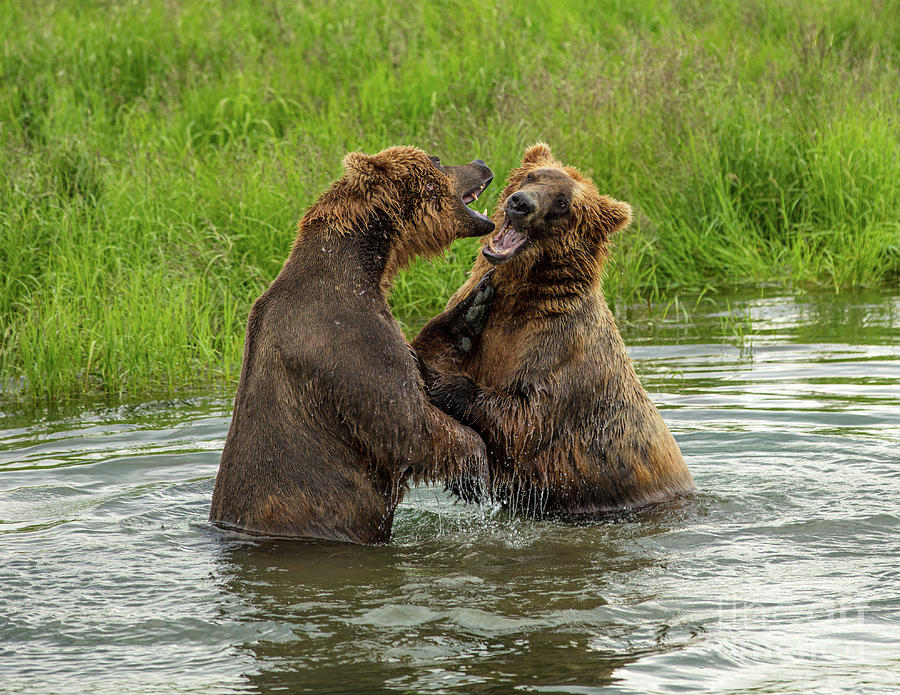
x,y
520,204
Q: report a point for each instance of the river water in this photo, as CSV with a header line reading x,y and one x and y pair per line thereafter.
x,y
782,575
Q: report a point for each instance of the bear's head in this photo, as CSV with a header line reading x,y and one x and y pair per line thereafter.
x,y
426,201
548,207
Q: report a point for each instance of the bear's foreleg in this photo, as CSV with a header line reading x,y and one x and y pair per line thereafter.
x,y
454,452
446,340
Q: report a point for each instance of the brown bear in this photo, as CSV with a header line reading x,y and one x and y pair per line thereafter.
x,y
569,430
331,421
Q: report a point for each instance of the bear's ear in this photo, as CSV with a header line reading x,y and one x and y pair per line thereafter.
x,y
363,170
619,214
538,153
599,217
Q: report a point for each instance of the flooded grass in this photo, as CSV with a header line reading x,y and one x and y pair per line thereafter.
x,y
156,156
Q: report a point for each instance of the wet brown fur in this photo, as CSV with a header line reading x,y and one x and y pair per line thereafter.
x,y
330,417
569,429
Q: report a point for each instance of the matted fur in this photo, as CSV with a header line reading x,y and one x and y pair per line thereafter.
x,y
401,183
331,421
568,427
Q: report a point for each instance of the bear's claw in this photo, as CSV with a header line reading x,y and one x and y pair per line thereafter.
x,y
479,304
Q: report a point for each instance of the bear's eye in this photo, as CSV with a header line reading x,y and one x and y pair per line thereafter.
x,y
561,204
529,178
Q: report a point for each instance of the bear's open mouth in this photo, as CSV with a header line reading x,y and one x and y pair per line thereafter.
x,y
505,244
472,196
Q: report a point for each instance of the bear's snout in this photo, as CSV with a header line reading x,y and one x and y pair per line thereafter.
x,y
520,204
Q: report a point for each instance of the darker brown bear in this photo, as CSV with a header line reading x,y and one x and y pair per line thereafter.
x,y
330,419
549,386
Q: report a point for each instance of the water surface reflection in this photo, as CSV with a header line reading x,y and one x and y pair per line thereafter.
x,y
780,575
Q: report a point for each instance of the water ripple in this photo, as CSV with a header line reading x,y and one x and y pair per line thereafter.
x,y
779,575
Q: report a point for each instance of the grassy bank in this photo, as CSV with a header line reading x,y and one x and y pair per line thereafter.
x,y
155,156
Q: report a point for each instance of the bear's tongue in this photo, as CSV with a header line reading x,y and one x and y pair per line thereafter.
x,y
505,242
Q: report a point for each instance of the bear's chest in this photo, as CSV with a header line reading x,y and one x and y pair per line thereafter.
x,y
499,358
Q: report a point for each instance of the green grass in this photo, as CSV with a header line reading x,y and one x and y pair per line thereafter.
x,y
156,155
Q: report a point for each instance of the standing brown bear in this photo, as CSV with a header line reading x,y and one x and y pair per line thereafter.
x,y
569,430
331,420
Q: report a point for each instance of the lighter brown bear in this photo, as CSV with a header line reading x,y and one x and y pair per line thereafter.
x,y
569,430
331,421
